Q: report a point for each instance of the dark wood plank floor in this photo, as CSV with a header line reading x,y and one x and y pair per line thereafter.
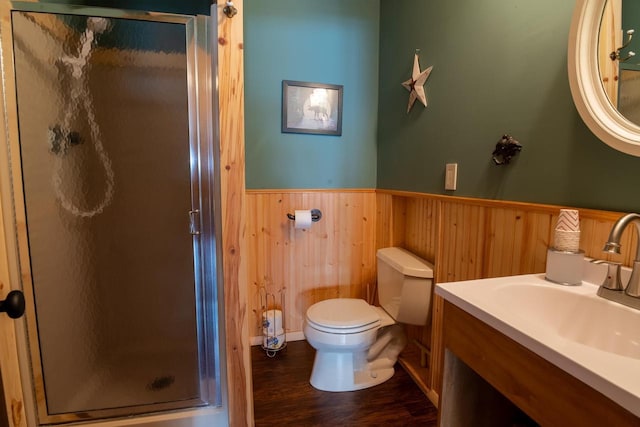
x,y
283,396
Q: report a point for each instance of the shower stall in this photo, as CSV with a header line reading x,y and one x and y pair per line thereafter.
x,y
114,199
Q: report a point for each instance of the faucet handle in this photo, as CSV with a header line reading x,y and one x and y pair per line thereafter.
x,y
612,281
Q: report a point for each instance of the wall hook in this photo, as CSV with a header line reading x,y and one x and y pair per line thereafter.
x,y
615,55
506,149
230,10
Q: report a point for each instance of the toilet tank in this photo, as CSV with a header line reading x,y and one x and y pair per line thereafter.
x,y
405,282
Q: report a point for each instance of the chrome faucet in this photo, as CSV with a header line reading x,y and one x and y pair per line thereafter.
x,y
613,247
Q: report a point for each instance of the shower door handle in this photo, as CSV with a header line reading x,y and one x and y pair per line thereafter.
x,y
13,305
194,216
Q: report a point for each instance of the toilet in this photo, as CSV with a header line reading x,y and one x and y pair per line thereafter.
x,y
357,344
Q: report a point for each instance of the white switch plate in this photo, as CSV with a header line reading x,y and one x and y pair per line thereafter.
x,y
451,176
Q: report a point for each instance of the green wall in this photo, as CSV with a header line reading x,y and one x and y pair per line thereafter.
x,y
329,41
500,66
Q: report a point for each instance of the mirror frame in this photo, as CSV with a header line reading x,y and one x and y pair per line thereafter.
x,y
589,96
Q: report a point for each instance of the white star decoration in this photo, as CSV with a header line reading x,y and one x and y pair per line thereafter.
x,y
415,85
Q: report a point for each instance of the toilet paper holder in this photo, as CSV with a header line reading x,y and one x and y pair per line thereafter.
x,y
273,320
316,215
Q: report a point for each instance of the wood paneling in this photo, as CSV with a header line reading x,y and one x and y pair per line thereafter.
x,y
334,258
473,239
231,101
420,228
384,220
465,239
462,247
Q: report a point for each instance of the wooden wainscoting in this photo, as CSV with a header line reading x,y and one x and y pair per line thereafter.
x,y
465,239
474,238
334,258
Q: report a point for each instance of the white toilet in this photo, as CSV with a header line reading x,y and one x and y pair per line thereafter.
x,y
358,344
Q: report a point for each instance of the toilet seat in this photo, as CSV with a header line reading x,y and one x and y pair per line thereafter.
x,y
343,316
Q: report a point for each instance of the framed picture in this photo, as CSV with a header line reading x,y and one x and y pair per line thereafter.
x,y
311,108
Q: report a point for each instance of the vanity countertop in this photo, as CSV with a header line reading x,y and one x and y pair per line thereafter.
x,y
569,326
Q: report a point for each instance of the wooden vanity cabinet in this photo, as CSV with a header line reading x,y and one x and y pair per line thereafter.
x,y
488,379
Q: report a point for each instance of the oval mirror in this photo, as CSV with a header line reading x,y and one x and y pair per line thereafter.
x,y
588,84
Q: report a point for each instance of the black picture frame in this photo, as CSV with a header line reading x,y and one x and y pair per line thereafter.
x,y
314,108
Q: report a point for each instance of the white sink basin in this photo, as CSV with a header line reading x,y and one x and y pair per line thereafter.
x,y
589,337
584,318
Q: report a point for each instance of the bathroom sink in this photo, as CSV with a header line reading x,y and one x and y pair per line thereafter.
x,y
589,337
581,317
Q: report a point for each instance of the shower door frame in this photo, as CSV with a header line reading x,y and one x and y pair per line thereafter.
x,y
203,135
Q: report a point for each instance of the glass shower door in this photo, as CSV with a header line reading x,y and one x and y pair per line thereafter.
x,y
111,184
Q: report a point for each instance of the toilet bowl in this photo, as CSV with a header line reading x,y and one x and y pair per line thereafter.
x,y
343,331
357,344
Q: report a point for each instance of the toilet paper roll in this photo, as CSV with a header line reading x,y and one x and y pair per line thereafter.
x,y
266,332
274,342
272,322
303,219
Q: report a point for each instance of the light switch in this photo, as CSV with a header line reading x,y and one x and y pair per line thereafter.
x,y
451,176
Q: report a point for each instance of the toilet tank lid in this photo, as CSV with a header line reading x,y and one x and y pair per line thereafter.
x,y
406,262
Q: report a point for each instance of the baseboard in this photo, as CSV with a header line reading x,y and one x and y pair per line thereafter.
x,y
291,336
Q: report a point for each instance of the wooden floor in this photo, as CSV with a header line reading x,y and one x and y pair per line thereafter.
x,y
283,396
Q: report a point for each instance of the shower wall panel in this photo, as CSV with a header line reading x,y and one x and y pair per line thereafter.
x,y
107,193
